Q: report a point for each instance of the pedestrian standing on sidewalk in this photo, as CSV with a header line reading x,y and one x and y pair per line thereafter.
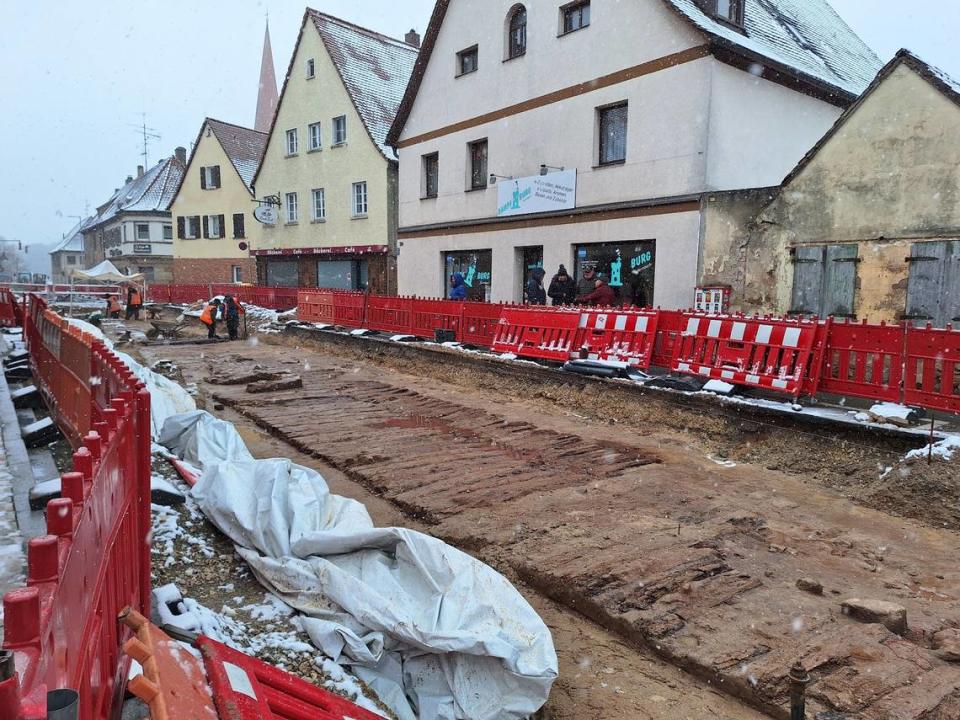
x,y
562,290
458,288
232,312
209,317
536,295
588,283
602,295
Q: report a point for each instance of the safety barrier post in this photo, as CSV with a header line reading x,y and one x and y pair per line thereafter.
x,y
144,447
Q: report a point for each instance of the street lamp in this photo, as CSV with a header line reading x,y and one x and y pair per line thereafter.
x,y
494,177
544,169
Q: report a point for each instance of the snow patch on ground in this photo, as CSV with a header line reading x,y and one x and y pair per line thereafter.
x,y
943,450
167,530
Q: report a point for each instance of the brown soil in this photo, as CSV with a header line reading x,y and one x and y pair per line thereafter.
x,y
629,509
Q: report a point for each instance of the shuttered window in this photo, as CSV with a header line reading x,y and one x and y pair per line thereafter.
x,y
825,281
239,223
933,288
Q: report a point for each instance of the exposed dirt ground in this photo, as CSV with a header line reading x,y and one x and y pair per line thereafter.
x,y
659,522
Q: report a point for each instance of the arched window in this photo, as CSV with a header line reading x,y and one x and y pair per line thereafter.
x,y
517,32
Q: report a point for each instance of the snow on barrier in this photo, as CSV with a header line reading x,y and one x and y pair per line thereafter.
x,y
892,363
764,353
95,560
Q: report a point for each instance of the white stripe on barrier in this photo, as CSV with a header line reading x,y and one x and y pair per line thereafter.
x,y
704,370
739,329
728,374
753,379
714,330
782,384
763,334
621,323
791,338
683,367
641,325
583,319
601,323
693,324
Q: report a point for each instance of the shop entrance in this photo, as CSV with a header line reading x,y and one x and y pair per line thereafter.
x,y
528,260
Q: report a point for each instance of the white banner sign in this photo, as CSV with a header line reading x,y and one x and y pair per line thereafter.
x,y
540,193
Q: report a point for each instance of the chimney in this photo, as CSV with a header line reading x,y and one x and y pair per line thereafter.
x,y
139,171
129,179
181,153
412,38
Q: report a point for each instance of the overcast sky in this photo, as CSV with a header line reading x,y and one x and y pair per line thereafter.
x,y
80,73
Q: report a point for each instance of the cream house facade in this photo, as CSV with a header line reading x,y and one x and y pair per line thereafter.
x,y
213,208
617,119
326,164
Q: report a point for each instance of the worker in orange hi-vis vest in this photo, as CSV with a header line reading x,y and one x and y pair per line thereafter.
x,y
134,303
209,317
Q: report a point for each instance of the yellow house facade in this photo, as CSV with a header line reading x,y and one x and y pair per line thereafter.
x,y
327,167
212,211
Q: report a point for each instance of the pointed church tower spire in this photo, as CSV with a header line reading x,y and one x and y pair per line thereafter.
x,y
267,97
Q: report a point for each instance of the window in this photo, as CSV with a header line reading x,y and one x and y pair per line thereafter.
x,y
517,32
236,272
213,226
467,61
342,274
933,285
359,199
293,142
210,177
168,232
311,69
340,130
728,10
431,175
147,272
628,266
283,273
292,207
71,259
478,164
476,269
575,16
239,225
315,136
824,280
188,228
613,134
319,205
143,231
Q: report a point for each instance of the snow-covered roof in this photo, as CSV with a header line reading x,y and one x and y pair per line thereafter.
x,y
242,145
374,68
151,192
806,36
73,240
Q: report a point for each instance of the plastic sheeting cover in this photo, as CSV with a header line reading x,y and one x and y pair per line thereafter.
x,y
435,632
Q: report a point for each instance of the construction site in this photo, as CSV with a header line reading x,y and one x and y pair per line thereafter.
x,y
668,548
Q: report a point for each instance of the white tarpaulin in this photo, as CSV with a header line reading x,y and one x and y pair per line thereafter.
x,y
105,272
436,633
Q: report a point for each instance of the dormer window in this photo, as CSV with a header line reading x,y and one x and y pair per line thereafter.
x,y
729,11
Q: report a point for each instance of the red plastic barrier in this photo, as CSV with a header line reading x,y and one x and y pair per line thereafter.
x,y
670,325
538,333
623,335
95,560
429,315
9,316
932,368
349,309
315,306
860,360
389,314
478,324
765,353
245,688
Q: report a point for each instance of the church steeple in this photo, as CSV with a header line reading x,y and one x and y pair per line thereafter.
x,y
267,96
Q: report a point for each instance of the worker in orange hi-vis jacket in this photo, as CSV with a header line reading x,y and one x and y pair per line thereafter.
x,y
209,317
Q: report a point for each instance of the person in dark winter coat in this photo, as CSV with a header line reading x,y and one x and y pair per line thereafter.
x,y
458,288
602,295
588,283
563,289
536,295
232,312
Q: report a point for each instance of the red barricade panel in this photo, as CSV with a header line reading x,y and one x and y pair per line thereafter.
x,y
769,354
478,325
623,335
390,314
861,360
541,334
932,374
430,315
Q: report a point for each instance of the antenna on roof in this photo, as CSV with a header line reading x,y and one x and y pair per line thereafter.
x,y
148,134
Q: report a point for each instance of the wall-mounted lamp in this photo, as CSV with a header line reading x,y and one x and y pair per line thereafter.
x,y
544,169
494,177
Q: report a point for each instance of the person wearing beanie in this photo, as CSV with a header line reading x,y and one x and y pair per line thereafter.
x,y
563,289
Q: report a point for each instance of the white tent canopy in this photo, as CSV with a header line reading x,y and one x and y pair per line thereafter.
x,y
105,272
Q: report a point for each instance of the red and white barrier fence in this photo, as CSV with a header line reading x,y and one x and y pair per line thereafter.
x,y
272,298
915,366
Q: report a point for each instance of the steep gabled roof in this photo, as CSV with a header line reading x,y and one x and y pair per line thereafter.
x,y
936,77
373,67
805,36
242,145
73,240
151,192
800,39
